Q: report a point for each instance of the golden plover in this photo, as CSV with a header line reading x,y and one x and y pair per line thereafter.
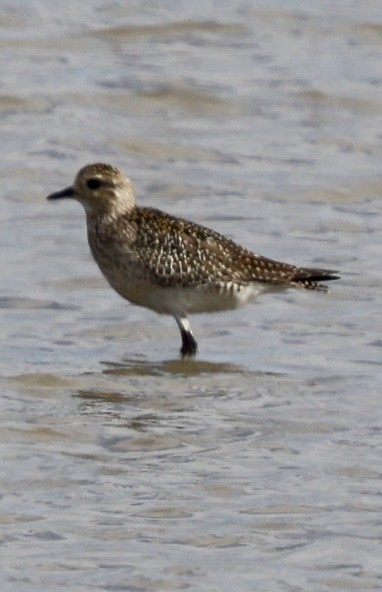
x,y
171,265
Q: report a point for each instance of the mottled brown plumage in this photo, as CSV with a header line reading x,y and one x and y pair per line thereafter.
x,y
169,264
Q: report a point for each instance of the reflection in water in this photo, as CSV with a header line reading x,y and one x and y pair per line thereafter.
x,y
182,367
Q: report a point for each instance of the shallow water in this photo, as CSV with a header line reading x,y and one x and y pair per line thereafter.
x,y
255,466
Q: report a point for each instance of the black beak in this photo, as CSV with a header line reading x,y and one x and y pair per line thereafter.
x,y
67,192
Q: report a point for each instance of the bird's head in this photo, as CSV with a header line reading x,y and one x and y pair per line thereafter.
x,y
100,188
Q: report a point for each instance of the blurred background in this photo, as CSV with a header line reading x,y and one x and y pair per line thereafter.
x,y
261,119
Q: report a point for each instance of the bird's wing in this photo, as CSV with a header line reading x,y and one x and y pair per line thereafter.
x,y
178,252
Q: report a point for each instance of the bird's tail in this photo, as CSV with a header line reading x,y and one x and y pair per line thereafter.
x,y
310,278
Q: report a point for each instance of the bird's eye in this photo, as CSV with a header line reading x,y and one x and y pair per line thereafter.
x,y
93,183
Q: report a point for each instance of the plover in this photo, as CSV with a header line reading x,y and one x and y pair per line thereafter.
x,y
171,265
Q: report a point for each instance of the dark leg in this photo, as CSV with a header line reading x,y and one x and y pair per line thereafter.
x,y
189,344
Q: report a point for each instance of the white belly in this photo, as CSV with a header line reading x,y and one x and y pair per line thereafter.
x,y
133,283
179,300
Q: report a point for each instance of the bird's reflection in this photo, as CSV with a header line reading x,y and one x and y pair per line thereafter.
x,y
176,366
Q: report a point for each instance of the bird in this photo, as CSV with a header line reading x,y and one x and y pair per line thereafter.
x,y
169,264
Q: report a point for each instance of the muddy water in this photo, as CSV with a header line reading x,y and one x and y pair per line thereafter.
x,y
257,465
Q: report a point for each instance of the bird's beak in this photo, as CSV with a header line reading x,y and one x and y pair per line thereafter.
x,y
67,192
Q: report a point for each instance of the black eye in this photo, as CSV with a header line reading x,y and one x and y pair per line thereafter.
x,y
93,183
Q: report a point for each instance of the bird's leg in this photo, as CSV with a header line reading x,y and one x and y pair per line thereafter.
x,y
189,344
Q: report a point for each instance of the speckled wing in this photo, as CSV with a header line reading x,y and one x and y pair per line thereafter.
x,y
176,252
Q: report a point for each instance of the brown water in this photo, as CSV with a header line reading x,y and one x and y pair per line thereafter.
x,y
256,466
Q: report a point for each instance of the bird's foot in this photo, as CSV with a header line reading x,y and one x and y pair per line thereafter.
x,y
189,344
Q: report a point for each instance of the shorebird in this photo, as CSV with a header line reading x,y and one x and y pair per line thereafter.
x,y
171,265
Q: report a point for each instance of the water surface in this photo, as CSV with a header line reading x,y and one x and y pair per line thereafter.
x,y
257,465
